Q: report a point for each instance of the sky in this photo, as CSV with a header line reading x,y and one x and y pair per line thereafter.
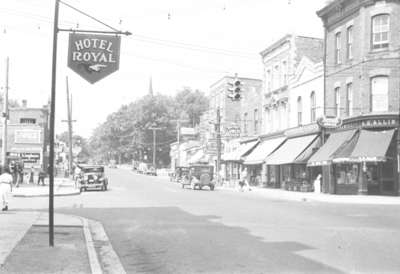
x,y
177,43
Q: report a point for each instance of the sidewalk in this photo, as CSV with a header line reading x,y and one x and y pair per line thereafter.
x,y
62,187
81,243
24,238
272,193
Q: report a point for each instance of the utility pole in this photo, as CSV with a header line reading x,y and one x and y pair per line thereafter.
x,y
218,129
5,118
154,129
69,106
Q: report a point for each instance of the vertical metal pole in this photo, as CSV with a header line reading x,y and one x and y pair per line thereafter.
x,y
154,147
179,143
5,118
52,118
218,144
69,129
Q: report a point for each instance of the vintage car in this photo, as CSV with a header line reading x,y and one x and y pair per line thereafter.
x,y
179,173
91,176
151,170
199,176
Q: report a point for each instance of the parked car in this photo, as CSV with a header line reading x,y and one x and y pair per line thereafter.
x,y
112,164
91,176
199,176
177,175
151,170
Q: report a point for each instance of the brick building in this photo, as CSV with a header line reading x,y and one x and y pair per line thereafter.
x,y
28,135
362,75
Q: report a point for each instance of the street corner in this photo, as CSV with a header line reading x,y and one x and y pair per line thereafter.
x,y
43,191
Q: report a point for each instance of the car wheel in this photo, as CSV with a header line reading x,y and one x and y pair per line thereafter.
x,y
212,187
81,189
105,188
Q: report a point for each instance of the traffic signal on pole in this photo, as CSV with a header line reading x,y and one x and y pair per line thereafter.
x,y
235,89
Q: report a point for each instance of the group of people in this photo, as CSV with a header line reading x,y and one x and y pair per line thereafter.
x,y
12,176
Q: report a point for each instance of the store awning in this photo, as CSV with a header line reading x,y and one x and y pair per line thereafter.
x,y
258,155
291,150
368,146
198,157
335,140
237,154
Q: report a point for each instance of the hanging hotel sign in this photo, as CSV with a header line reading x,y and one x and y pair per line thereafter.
x,y
93,56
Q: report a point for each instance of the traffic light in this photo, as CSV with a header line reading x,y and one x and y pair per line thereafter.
x,y
235,89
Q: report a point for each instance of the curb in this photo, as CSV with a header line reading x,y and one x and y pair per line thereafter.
x,y
45,195
93,260
340,199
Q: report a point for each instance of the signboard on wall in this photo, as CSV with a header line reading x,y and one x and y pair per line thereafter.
x,y
27,136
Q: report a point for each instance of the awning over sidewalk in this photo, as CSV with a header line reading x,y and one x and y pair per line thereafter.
x,y
198,157
291,150
258,155
368,146
335,140
237,154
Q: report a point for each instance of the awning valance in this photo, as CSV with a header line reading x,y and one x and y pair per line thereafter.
x,y
291,150
258,155
335,140
367,146
237,154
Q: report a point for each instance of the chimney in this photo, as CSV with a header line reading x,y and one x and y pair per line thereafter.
x,y
24,103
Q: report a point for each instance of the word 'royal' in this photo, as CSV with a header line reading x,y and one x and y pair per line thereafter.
x,y
105,55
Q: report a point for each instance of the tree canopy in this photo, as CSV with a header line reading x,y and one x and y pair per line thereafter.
x,y
127,135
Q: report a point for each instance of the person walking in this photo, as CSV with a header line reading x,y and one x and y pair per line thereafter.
x,y
41,177
6,181
20,171
31,175
244,183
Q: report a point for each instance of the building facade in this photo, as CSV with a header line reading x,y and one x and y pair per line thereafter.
x,y
362,83
27,136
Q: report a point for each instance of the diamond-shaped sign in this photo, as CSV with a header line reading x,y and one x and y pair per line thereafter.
x,y
93,56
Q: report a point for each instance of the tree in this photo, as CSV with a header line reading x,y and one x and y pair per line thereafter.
x,y
191,103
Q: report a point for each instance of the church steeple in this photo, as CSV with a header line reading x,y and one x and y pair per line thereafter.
x,y
151,87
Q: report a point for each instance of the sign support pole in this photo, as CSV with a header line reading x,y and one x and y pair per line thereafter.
x,y
5,118
52,117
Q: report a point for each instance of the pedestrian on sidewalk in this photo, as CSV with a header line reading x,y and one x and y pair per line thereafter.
x,y
6,181
31,175
20,171
317,184
41,177
13,172
243,182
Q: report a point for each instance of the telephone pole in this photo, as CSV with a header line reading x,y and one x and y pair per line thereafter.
x,y
154,129
218,129
69,107
5,118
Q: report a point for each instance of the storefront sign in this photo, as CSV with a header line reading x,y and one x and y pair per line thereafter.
x,y
92,56
329,122
27,136
30,157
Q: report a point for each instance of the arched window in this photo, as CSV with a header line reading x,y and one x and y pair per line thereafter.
x,y
379,93
380,31
313,107
299,111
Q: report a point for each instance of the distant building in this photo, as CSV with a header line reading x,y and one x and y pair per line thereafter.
x,y
28,135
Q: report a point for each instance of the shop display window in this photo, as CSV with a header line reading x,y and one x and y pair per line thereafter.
x,y
347,174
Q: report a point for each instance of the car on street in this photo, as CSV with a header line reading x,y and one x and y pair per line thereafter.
x,y
91,176
199,176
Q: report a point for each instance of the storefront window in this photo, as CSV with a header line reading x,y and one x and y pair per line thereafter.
x,y
347,174
286,172
299,172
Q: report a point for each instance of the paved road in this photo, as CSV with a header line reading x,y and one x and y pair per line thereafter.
x,y
156,226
